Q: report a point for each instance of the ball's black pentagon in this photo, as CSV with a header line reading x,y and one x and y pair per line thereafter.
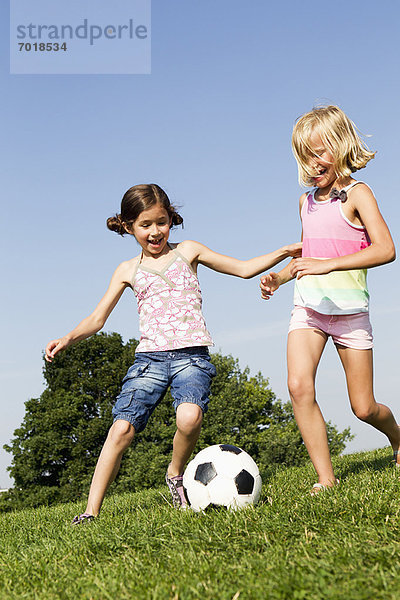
x,y
230,448
216,507
186,495
205,473
244,482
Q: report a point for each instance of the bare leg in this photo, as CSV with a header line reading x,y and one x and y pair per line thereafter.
x,y
119,438
305,347
189,418
358,366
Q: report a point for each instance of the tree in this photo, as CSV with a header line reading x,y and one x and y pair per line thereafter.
x,y
56,448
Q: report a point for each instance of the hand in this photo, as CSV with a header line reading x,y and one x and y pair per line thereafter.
x,y
269,284
294,249
310,266
54,347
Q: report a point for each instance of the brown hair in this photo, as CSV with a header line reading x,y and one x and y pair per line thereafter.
x,y
137,199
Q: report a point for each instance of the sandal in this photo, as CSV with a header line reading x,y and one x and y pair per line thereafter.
x,y
395,455
83,518
318,487
176,488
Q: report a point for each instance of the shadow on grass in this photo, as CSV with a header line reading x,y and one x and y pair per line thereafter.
x,y
360,464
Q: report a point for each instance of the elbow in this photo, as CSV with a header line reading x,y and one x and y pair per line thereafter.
x,y
100,324
390,253
97,323
245,272
386,253
242,270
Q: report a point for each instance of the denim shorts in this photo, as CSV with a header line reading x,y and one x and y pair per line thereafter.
x,y
187,370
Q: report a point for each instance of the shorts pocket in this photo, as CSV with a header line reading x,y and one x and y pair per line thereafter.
x,y
129,388
136,370
123,401
204,365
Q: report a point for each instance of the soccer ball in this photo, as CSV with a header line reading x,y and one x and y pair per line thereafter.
x,y
222,475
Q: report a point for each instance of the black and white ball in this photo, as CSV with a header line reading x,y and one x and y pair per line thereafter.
x,y
222,475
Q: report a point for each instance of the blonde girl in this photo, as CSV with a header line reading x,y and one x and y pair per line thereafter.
x,y
173,347
343,235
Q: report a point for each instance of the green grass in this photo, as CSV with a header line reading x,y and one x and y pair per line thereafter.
x,y
342,544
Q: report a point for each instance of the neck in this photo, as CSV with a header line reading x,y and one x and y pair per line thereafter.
x,y
340,183
148,256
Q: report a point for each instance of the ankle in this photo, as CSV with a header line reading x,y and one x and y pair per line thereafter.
x,y
173,472
328,482
396,442
89,510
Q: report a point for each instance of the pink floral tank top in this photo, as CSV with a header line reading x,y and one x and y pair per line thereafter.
x,y
169,306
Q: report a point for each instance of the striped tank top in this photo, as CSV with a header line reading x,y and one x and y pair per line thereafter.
x,y
327,233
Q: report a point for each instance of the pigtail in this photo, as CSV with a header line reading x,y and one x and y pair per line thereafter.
x,y
115,224
176,218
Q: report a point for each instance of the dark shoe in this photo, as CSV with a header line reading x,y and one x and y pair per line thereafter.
x,y
83,518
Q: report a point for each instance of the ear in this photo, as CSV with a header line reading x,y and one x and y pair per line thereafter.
x,y
128,227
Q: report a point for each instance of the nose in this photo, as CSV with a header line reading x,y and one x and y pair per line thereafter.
x,y
315,163
154,229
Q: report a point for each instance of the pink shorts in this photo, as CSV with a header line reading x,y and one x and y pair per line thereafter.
x,y
352,331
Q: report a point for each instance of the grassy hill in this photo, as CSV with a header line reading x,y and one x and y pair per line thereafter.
x,y
341,544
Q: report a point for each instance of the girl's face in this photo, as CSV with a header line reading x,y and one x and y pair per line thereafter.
x,y
151,230
321,162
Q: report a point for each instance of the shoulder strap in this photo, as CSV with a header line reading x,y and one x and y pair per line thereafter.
x,y
185,260
351,185
135,270
176,251
307,195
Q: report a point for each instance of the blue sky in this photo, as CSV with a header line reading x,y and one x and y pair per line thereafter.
x,y
212,126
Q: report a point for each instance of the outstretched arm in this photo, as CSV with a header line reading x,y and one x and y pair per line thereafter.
x,y
199,254
380,252
95,321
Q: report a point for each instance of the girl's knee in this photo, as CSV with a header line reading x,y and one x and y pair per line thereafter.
x,y
121,433
365,413
189,418
301,389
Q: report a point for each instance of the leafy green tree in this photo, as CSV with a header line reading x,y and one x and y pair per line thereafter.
x,y
56,448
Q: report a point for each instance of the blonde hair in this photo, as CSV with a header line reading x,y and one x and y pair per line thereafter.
x,y
340,137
